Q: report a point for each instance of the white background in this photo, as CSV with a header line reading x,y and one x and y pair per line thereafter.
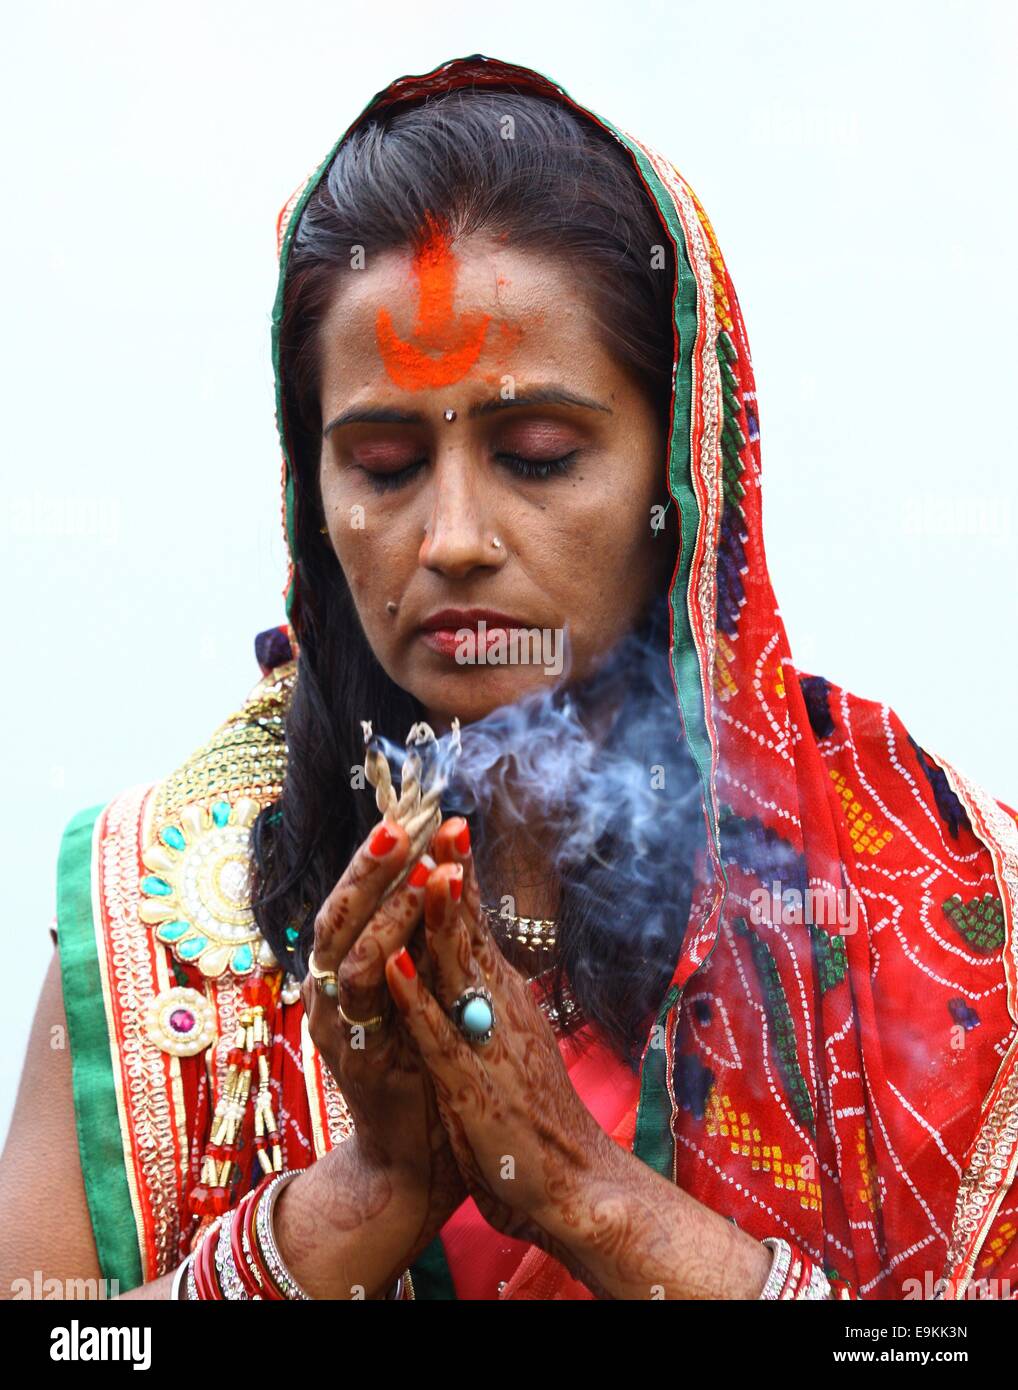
x,y
857,163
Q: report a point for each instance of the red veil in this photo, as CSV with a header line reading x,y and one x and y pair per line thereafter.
x,y
840,1059
836,1060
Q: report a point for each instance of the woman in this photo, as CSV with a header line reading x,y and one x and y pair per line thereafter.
x,y
774,1054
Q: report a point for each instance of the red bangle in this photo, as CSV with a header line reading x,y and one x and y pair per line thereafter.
x,y
794,1275
269,1289
800,1273
205,1281
247,1276
211,1274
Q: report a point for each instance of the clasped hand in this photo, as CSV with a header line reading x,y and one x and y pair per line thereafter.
x,y
499,1120
520,1134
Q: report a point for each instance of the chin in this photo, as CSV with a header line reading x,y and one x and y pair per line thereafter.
x,y
470,693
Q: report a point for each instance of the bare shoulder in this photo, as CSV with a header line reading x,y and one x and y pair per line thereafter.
x,y
45,1230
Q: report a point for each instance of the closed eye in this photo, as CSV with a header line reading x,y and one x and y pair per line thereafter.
x,y
539,469
387,482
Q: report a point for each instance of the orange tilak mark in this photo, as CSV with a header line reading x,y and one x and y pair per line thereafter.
x,y
458,342
500,348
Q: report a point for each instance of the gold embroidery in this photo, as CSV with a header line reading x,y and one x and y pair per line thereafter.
x,y
144,1074
198,895
245,758
337,1112
164,981
989,1174
706,381
246,755
706,461
225,994
336,1124
993,1160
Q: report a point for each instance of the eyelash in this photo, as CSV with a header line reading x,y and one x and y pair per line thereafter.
x,y
540,469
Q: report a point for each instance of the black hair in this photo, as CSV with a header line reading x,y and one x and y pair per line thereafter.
x,y
560,185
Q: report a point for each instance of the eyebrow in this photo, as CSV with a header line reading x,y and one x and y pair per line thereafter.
x,y
538,395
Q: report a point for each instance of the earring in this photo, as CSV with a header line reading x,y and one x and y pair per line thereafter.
x,y
323,530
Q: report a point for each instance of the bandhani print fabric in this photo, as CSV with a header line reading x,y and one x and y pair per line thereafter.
x,y
836,1059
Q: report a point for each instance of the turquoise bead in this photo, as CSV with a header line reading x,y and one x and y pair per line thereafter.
x,y
156,886
193,947
173,837
477,1017
221,813
242,960
172,931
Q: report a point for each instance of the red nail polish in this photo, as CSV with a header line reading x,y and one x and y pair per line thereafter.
x,y
456,888
419,877
405,963
462,840
382,842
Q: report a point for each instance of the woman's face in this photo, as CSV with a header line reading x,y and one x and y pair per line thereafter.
x,y
554,451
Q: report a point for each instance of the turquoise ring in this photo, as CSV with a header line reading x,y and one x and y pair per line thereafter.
x,y
474,1015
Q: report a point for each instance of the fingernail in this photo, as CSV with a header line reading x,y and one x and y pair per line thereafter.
x,y
381,842
405,963
456,885
421,870
462,840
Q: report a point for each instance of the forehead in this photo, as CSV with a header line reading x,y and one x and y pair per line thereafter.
x,y
504,309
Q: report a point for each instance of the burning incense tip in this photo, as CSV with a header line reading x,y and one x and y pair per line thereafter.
x,y
417,806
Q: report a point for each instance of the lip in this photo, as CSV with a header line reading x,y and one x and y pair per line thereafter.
x,y
440,630
452,619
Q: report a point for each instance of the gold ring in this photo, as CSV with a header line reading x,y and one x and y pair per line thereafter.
x,y
370,1025
325,980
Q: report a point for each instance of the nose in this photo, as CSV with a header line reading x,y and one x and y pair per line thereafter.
x,y
459,533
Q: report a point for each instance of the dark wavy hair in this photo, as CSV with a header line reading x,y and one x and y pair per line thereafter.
x,y
562,186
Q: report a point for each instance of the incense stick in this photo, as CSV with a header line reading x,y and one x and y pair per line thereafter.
x,y
418,806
